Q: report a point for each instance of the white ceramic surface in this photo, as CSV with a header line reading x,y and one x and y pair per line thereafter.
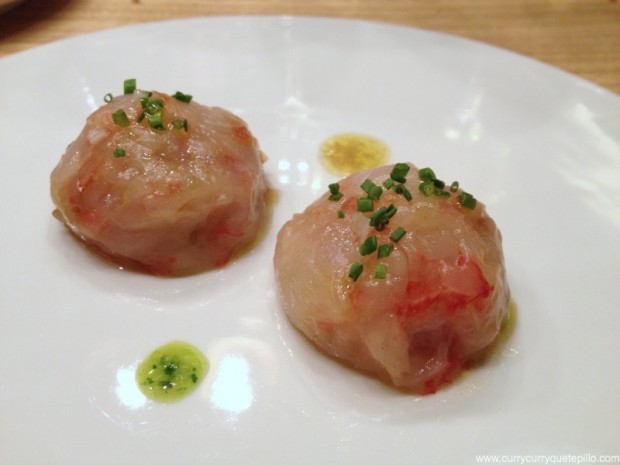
x,y
540,147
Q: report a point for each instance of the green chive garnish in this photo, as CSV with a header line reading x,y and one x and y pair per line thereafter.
x,y
454,186
380,271
334,189
467,200
391,211
119,152
402,190
426,174
369,245
385,250
373,191
356,270
388,183
439,184
180,124
379,219
182,97
367,185
153,106
399,172
427,188
156,121
364,205
340,214
129,86
107,98
398,234
120,118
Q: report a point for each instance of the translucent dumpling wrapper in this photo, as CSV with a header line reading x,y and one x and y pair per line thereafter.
x,y
163,185
411,296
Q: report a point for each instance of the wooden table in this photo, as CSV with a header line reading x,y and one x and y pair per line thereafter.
x,y
579,36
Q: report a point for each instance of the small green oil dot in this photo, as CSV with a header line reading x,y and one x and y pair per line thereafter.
x,y
171,372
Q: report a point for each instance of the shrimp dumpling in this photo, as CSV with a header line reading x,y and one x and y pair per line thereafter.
x,y
162,184
403,280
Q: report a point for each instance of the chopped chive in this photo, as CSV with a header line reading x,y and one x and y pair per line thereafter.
x,y
334,189
356,270
107,98
140,117
399,172
182,97
439,184
375,193
398,234
380,271
454,186
369,245
427,188
467,200
402,190
364,205
426,174
385,250
388,183
153,106
367,185
156,122
119,152
120,118
180,124
379,219
129,86
441,193
391,211
340,214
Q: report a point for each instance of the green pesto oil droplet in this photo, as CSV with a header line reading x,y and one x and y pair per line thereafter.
x,y
171,372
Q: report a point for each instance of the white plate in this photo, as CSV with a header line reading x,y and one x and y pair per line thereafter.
x,y
540,147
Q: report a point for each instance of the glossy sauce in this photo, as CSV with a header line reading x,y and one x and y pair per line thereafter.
x,y
508,323
507,328
347,153
171,372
